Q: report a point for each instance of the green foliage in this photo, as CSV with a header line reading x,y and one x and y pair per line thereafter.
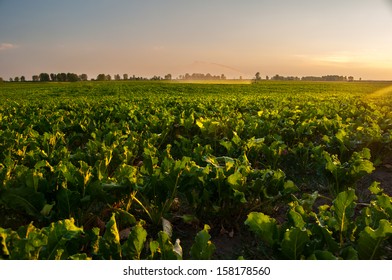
x,y
334,232
203,248
166,247
210,153
343,207
64,240
25,199
61,236
294,242
109,243
59,240
346,173
263,226
370,240
133,247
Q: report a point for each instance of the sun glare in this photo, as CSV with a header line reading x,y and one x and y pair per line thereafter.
x,y
380,93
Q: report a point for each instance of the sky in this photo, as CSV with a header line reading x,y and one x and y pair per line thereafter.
x,y
231,37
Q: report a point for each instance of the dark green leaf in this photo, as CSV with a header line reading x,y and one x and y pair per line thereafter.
x,y
240,196
28,246
60,234
134,245
154,246
263,226
308,200
370,240
26,199
289,187
46,209
344,208
294,242
67,202
349,253
110,246
202,249
323,255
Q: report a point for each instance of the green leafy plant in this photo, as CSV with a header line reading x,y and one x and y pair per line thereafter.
x,y
59,240
195,153
347,173
203,248
334,232
64,240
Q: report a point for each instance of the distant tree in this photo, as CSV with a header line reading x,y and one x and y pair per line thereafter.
x,y
117,77
22,79
277,78
1,80
257,77
72,77
11,80
156,78
267,78
350,78
61,77
53,77
332,78
44,77
168,77
311,78
223,77
16,79
101,77
196,76
35,78
83,77
108,77
125,77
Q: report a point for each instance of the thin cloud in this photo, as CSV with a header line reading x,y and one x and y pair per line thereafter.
x,y
7,46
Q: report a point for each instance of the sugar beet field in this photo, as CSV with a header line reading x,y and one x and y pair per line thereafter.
x,y
154,170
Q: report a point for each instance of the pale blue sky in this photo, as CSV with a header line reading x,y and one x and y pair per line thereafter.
x,y
237,38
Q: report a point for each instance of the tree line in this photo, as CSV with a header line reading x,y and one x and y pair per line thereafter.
x,y
72,77
45,77
201,76
305,78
